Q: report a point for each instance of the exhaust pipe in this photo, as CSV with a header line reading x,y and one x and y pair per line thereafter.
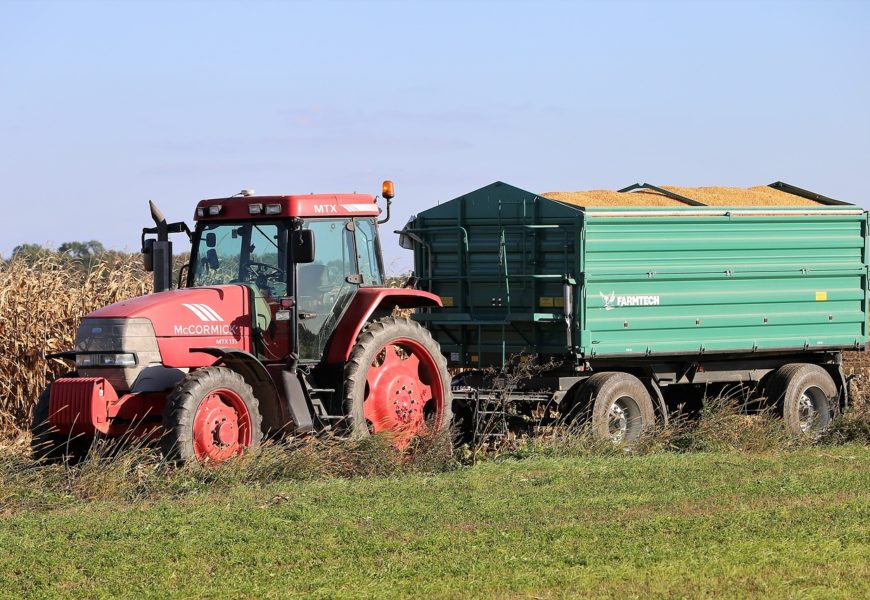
x,y
158,253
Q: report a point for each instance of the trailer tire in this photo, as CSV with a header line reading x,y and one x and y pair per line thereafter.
x,y
210,416
48,445
805,396
396,380
618,405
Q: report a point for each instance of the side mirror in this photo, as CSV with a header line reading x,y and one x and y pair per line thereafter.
x,y
148,255
214,262
211,240
302,246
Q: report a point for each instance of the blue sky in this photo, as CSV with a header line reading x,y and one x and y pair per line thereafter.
x,y
105,105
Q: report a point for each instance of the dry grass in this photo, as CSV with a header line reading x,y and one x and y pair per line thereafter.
x,y
41,305
761,195
138,472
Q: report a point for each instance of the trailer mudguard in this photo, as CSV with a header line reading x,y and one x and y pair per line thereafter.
x,y
364,304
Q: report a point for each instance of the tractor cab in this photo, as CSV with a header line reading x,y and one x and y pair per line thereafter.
x,y
302,260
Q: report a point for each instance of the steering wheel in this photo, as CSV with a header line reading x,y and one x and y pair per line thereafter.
x,y
263,273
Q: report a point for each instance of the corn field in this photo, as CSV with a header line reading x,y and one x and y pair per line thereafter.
x,y
42,302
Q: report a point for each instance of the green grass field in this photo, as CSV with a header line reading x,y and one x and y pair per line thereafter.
x,y
792,523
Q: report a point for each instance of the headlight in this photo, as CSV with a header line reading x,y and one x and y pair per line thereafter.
x,y
105,360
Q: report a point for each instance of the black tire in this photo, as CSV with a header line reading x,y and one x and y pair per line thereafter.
x,y
373,339
805,396
617,405
183,403
46,443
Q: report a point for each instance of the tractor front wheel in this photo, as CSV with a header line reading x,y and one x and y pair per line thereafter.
x,y
211,416
396,381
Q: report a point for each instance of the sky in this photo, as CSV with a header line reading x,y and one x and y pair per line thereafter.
x,y
105,105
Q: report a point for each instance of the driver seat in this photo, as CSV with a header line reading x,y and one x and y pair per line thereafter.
x,y
262,311
311,282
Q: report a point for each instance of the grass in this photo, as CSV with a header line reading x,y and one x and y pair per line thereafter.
x,y
775,524
720,506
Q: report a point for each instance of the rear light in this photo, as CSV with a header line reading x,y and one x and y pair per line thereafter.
x,y
273,209
255,209
215,209
200,212
106,360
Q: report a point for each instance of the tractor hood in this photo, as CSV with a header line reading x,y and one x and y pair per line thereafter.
x,y
190,318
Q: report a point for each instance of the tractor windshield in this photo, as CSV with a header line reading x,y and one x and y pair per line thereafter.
x,y
252,253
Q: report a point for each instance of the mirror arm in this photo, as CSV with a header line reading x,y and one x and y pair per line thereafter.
x,y
387,218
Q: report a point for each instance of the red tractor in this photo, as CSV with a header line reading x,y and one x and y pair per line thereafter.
x,y
263,335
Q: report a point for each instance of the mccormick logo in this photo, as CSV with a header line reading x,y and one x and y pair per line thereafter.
x,y
212,322
204,312
611,300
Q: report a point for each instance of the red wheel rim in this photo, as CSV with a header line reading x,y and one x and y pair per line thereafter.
x,y
221,427
403,389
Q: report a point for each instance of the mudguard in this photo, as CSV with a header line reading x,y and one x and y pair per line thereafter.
x,y
361,308
257,376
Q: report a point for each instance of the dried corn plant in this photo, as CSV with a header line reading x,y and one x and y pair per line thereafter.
x,y
42,302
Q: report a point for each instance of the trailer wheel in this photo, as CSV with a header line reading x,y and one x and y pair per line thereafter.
x,y
620,405
49,445
805,396
210,416
396,381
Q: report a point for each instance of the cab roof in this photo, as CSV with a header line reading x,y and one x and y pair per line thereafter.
x,y
277,207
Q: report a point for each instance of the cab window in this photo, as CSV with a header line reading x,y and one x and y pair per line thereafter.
x,y
367,252
251,253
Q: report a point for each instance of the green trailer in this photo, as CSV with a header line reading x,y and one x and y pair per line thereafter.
x,y
657,297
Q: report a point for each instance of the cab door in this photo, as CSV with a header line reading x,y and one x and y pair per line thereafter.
x,y
324,287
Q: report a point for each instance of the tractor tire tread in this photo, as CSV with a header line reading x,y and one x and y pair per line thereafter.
x,y
355,368
183,402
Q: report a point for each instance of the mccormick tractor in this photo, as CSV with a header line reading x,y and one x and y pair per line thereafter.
x,y
281,322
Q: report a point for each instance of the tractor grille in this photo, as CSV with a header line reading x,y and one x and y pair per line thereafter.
x,y
119,335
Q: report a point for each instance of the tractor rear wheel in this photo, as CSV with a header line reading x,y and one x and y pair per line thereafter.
x,y
396,381
47,444
211,416
805,395
620,406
